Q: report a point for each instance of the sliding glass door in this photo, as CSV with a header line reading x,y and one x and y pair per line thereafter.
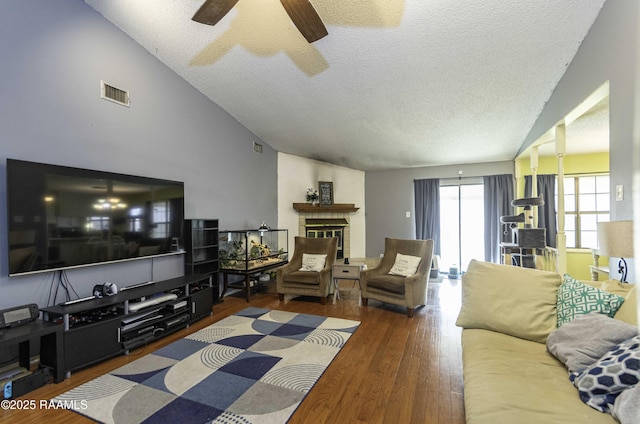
x,y
461,224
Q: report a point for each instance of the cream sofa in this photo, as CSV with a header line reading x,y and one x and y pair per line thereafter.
x,y
507,313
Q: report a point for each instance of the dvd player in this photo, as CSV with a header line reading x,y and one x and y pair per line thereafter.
x,y
174,322
142,336
177,306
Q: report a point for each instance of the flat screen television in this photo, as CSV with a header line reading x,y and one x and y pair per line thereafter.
x,y
62,217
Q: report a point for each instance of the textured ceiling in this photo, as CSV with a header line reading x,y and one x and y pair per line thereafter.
x,y
395,84
587,128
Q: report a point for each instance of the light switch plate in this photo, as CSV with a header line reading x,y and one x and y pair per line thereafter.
x,y
619,193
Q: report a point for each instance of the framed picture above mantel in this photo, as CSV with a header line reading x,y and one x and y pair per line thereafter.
x,y
325,191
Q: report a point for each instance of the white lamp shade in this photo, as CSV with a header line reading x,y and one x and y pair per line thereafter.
x,y
616,239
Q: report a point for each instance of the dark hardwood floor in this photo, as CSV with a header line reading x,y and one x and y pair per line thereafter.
x,y
394,369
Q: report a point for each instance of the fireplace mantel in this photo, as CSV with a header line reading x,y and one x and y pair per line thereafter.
x,y
335,208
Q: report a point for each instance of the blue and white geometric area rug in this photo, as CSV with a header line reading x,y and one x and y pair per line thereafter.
x,y
252,367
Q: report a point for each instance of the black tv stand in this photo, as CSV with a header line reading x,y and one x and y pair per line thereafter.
x,y
95,329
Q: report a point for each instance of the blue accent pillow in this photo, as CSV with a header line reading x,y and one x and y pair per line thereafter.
x,y
600,384
576,298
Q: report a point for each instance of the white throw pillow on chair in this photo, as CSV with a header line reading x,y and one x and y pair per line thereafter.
x,y
312,262
405,265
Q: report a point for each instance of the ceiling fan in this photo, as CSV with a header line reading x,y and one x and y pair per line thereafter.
x,y
301,12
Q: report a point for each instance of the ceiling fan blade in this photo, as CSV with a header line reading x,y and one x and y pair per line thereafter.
x,y
213,10
305,18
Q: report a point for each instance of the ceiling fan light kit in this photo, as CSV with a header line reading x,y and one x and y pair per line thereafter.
x,y
301,12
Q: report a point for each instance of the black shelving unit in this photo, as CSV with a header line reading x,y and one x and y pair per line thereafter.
x,y
201,245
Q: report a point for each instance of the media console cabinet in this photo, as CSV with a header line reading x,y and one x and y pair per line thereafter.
x,y
95,329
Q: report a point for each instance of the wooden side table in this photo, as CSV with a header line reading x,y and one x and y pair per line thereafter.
x,y
345,272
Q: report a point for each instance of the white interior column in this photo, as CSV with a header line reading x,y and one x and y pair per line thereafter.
x,y
533,163
519,179
561,237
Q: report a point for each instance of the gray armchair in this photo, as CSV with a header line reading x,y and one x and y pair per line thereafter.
x,y
290,280
409,291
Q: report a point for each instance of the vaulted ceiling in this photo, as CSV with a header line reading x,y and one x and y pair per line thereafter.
x,y
395,83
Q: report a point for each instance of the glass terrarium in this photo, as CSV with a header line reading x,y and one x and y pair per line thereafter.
x,y
253,250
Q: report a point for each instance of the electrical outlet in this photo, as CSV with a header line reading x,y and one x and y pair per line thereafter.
x,y
619,193
407,214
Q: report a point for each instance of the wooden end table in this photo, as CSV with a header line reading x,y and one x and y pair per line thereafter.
x,y
346,272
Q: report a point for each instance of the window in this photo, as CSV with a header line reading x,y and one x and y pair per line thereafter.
x,y
461,223
586,202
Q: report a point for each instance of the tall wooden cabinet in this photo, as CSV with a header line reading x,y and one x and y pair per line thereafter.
x,y
201,245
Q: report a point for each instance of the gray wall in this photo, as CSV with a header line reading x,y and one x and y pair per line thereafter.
x,y
389,195
608,53
54,54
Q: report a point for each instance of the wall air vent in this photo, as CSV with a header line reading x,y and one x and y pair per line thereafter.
x,y
114,94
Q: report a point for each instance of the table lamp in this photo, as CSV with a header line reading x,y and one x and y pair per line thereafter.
x,y
616,240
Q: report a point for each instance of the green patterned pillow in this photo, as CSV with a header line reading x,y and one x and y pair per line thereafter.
x,y
576,298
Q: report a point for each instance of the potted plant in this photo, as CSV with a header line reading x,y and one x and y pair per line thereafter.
x,y
312,196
